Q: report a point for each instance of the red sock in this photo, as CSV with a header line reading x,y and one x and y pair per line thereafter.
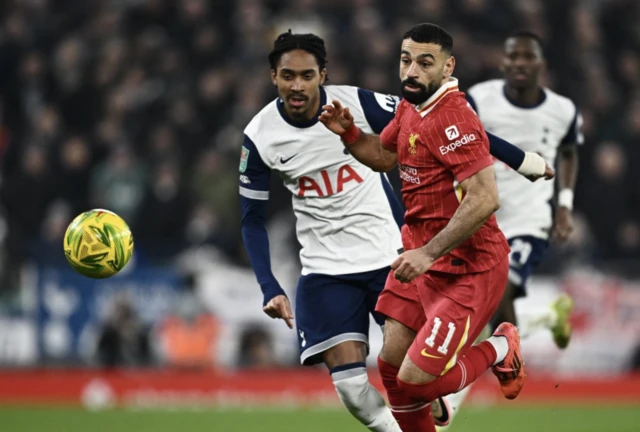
x,y
412,416
470,366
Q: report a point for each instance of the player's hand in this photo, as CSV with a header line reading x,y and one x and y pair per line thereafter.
x,y
336,118
411,264
549,173
563,226
279,307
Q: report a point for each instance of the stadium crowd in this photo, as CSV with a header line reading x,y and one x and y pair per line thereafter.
x,y
139,106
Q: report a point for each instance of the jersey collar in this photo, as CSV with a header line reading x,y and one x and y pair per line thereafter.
x,y
304,124
541,99
426,107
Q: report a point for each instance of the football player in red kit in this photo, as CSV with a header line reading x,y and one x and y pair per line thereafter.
x,y
455,263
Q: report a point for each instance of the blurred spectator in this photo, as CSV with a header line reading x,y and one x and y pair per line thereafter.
x,y
160,225
74,173
609,186
256,349
45,248
123,340
26,197
118,183
188,336
214,187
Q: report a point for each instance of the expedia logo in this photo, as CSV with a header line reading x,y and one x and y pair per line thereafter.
x,y
466,139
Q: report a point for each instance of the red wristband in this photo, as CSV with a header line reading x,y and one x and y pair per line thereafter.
x,y
351,135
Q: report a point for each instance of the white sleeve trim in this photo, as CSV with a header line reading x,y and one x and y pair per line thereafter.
x,y
254,194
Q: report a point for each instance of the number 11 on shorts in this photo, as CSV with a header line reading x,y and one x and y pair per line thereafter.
x,y
431,340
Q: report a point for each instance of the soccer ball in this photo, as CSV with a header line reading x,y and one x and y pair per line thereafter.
x,y
98,244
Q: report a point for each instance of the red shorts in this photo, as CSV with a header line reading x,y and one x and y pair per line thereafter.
x,y
447,311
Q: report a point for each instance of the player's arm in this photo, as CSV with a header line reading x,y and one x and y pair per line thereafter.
x,y
530,165
480,200
567,165
366,148
254,194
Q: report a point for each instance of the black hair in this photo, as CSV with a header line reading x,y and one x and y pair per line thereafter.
x,y
288,41
525,34
430,33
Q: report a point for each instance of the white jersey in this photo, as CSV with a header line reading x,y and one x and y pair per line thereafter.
x,y
525,207
344,217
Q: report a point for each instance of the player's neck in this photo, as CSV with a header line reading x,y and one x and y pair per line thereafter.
x,y
529,96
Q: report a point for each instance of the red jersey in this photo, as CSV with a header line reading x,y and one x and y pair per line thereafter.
x,y
438,147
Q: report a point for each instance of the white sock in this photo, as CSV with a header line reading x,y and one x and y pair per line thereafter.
x,y
501,346
531,322
363,401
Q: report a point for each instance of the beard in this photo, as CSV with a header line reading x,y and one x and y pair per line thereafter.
x,y
416,98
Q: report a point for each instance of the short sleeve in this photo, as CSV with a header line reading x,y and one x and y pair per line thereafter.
x,y
461,144
378,109
574,134
255,175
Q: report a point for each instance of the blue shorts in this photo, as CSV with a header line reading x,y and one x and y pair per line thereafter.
x,y
331,309
526,254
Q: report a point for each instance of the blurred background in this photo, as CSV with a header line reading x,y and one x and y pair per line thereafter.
x,y
139,106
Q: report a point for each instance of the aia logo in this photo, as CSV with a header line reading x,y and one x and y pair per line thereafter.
x,y
346,174
452,132
413,150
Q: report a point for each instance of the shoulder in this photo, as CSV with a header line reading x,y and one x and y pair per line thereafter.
x,y
560,106
455,110
341,92
366,99
403,106
486,88
262,122
453,119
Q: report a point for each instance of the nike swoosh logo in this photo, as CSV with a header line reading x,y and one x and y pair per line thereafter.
x,y
284,161
426,354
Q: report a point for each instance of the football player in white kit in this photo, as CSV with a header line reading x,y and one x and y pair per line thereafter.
x,y
348,217
536,119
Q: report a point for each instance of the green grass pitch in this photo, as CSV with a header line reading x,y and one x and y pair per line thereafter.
x,y
496,419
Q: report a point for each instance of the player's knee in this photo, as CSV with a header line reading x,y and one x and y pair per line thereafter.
x,y
412,374
391,356
345,353
425,392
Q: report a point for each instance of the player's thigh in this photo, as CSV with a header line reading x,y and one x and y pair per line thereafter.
x,y
440,341
397,338
456,319
526,253
330,310
401,302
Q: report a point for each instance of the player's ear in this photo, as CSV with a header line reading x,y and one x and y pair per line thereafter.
x,y
273,77
449,66
323,76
